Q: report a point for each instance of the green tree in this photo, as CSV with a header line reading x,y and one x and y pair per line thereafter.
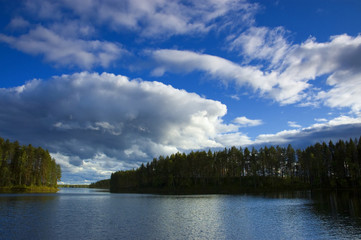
x,y
290,160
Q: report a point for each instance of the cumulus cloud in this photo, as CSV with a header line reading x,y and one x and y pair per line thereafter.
x,y
65,51
106,122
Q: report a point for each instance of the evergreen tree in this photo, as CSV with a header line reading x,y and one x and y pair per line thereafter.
x,y
26,166
318,166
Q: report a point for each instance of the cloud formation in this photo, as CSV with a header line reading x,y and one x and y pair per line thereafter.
x,y
70,33
217,67
86,117
62,51
298,65
291,70
261,43
149,18
334,130
95,124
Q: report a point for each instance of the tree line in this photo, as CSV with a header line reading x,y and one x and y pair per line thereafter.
x,y
104,184
26,166
322,165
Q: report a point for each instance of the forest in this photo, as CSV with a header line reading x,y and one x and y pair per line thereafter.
x,y
27,166
104,184
237,170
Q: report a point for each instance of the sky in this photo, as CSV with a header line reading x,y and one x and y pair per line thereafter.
x,y
109,85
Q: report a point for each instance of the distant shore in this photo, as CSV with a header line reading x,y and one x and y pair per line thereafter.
x,y
74,186
232,186
28,189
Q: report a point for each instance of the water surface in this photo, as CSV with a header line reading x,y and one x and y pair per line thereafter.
x,y
93,214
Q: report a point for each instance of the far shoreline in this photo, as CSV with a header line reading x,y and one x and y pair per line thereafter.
x,y
28,189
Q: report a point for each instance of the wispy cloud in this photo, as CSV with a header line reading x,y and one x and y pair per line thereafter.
x,y
261,43
66,33
339,59
293,124
65,51
149,18
320,119
288,78
266,83
245,122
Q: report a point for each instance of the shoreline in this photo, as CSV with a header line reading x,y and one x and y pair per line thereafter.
x,y
28,189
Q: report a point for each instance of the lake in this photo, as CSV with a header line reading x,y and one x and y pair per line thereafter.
x,y
92,214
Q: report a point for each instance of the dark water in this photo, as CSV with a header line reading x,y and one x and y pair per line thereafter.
x,y
90,214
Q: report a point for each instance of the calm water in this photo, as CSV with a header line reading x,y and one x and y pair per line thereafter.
x,y
91,214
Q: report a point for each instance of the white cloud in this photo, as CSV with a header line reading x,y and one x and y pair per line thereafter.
x,y
262,43
345,91
217,67
245,122
150,18
235,97
320,119
291,69
65,32
296,66
334,130
281,137
65,51
267,84
234,139
341,120
90,170
294,124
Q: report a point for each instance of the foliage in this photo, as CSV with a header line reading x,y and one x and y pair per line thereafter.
x,y
27,167
105,184
236,170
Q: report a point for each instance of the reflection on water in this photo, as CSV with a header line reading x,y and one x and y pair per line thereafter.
x,y
341,203
92,214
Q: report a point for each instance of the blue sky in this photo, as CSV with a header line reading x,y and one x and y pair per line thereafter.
x,y
108,85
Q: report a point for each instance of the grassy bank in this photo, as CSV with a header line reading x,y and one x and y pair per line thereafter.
x,y
28,189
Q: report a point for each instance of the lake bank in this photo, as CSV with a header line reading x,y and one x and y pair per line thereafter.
x,y
28,189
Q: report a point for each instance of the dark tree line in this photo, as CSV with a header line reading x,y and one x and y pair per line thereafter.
x,y
105,184
234,170
26,166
